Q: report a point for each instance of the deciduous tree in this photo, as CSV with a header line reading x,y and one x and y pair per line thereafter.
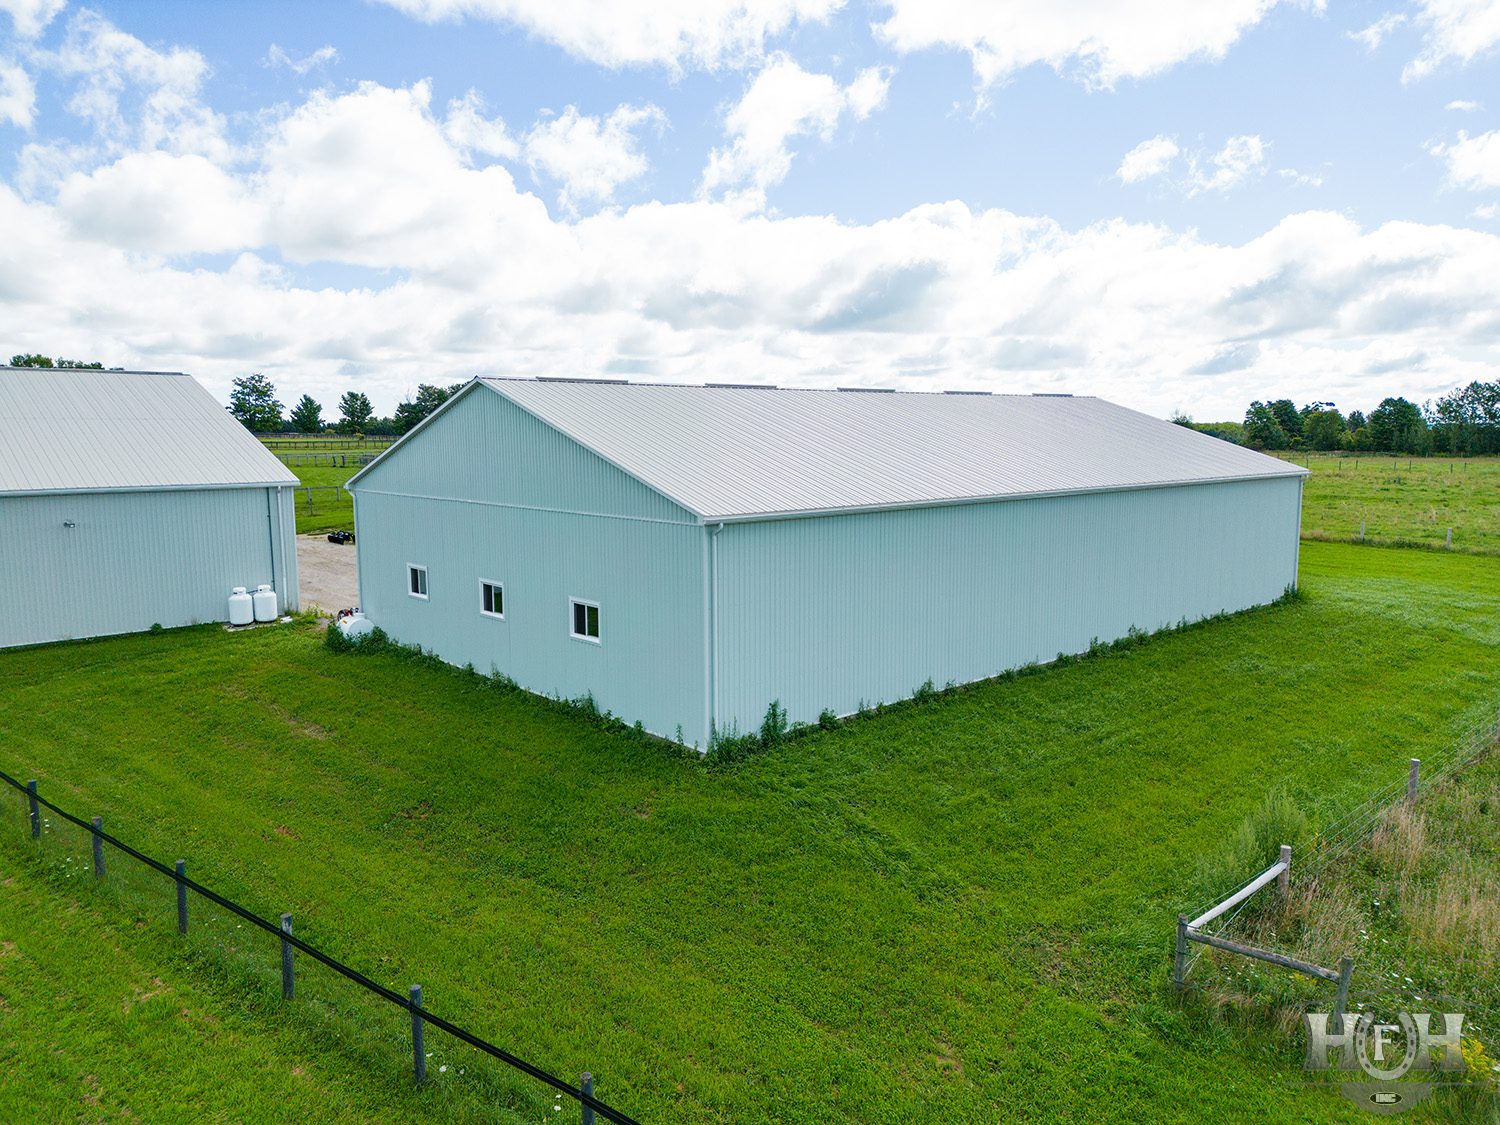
x,y
253,401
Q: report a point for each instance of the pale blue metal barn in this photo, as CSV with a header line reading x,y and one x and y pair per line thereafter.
x,y
130,499
690,554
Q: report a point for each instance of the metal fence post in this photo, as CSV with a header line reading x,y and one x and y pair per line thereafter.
x,y
1284,880
1412,778
286,958
1341,1000
587,1086
98,848
181,897
1181,962
36,813
419,1059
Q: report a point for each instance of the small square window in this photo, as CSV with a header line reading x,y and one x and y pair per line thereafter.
x,y
491,598
585,620
417,581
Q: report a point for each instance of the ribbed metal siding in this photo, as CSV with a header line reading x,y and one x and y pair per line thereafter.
x,y
488,448
133,559
647,578
835,611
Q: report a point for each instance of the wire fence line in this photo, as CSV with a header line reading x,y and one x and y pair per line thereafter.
x,y
281,930
1344,835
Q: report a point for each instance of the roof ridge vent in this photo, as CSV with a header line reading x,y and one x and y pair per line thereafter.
x,y
562,379
968,392
871,390
1051,394
743,386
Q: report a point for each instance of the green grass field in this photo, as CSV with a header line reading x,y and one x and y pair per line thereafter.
x,y
1415,499
957,911
324,511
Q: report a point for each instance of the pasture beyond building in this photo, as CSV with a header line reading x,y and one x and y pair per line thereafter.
x,y
688,555
128,499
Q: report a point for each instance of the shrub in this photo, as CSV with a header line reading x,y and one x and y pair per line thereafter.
x,y
1253,847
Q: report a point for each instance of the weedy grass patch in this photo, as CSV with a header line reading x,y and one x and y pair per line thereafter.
x,y
959,909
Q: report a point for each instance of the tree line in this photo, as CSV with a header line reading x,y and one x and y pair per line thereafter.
x,y
1465,423
252,399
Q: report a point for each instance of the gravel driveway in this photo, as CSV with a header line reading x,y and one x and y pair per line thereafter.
x,y
326,574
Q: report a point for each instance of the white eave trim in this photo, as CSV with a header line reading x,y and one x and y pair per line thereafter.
x,y
100,489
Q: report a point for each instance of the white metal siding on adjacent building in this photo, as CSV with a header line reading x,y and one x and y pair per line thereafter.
x,y
132,560
129,499
822,549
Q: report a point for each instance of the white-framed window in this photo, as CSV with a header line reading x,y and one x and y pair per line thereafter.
x,y
416,581
492,598
584,619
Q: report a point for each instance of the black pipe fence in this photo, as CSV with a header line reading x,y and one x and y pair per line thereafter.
x,y
287,943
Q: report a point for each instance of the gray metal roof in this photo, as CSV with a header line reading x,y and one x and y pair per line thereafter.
x,y
735,453
72,430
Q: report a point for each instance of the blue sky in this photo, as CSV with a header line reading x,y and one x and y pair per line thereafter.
x,y
1170,204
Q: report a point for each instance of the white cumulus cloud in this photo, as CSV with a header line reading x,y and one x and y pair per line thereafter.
x,y
450,268
677,34
1101,43
1232,165
1454,30
1148,159
1465,106
17,95
467,127
1473,162
135,95
276,56
785,101
1222,171
591,156
30,18
1375,34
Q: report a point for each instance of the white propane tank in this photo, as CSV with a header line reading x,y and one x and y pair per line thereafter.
x,y
240,610
265,603
355,626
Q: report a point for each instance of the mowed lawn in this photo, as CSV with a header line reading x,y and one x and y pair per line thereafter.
x,y
958,911
1407,498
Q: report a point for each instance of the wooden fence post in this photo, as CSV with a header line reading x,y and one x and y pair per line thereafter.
x,y
1181,961
1284,880
1412,777
587,1086
36,813
286,958
1341,999
419,1059
1449,544
181,897
98,848
1361,530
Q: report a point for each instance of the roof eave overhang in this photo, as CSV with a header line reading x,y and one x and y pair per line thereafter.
x,y
99,489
